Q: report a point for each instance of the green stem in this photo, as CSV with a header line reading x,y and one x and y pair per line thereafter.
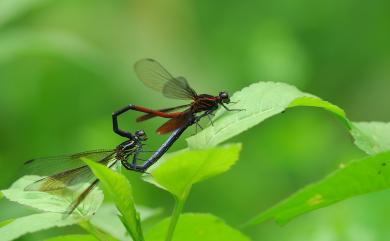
x,y
179,204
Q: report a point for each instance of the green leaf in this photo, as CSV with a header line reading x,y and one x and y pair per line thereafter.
x,y
177,172
78,237
195,227
51,202
312,101
107,219
259,101
263,100
355,178
33,223
119,189
372,137
1,195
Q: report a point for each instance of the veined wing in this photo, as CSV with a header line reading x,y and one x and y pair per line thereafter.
x,y
155,76
46,166
91,186
80,172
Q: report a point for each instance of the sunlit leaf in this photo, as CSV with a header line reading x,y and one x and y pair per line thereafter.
x,y
120,190
33,223
51,202
195,227
78,237
352,179
178,171
263,100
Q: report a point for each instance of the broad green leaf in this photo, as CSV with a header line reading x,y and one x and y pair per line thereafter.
x,y
1,195
352,179
263,100
259,101
51,202
196,227
78,237
107,219
119,189
372,137
178,171
33,223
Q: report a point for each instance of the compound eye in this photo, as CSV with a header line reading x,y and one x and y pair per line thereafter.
x,y
224,97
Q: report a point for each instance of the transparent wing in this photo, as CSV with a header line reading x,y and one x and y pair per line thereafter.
x,y
46,166
75,172
155,76
75,203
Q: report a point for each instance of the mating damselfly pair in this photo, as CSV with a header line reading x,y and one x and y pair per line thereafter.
x,y
64,172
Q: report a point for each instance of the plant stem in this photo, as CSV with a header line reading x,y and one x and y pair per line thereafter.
x,y
179,204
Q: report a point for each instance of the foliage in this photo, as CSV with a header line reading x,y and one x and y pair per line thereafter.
x,y
352,179
196,226
33,223
119,189
50,202
177,176
177,172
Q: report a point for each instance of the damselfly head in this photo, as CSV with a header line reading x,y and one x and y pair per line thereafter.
x,y
224,97
141,135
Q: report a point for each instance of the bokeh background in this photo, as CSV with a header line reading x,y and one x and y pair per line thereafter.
x,y
66,65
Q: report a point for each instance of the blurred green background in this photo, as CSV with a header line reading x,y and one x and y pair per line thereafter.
x,y
66,65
